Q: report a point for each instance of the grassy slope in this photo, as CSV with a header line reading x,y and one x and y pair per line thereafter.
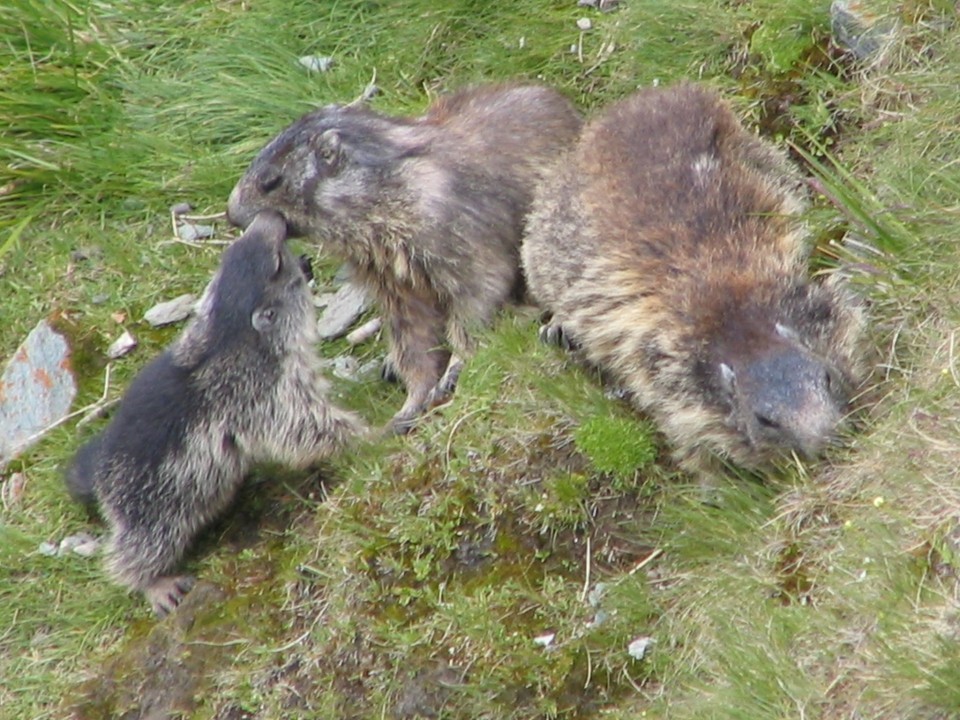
x,y
419,585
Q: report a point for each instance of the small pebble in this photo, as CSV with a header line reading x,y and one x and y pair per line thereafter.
x,y
181,208
87,549
123,345
48,549
99,299
639,647
545,640
364,332
584,23
190,232
171,311
71,542
345,367
316,63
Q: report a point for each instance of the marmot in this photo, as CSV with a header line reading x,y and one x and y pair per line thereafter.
x,y
428,211
240,385
667,246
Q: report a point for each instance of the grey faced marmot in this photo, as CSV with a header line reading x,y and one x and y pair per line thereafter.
x,y
240,385
428,211
667,247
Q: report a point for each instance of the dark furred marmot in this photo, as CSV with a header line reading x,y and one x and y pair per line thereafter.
x,y
667,247
240,385
428,211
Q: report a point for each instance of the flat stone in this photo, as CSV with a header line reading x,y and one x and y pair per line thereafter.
x,y
190,232
856,28
36,390
181,208
348,304
171,311
123,345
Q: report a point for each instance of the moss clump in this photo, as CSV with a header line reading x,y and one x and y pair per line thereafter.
x,y
616,445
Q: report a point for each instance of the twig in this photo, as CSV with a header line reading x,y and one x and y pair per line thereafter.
x,y
657,552
586,579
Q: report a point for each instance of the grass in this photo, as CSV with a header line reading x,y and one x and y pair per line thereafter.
x,y
422,576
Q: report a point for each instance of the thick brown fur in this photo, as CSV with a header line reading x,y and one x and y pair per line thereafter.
x,y
668,248
428,211
239,386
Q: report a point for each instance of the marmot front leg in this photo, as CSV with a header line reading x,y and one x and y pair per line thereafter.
x,y
417,325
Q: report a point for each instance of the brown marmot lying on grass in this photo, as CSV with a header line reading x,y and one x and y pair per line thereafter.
x,y
667,246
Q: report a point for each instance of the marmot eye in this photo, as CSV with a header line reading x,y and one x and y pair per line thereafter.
x,y
270,181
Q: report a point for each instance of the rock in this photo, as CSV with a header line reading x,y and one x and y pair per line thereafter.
x,y
171,311
72,542
545,640
123,345
857,29
323,299
100,299
365,331
181,208
345,367
36,390
87,549
584,24
48,549
639,647
348,304
190,232
316,63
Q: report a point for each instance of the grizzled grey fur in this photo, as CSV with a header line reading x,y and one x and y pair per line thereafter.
x,y
668,248
240,385
428,211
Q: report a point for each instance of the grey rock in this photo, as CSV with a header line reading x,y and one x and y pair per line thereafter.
x,y
345,367
87,549
864,33
123,345
171,311
316,63
71,542
47,548
181,208
38,389
348,304
584,24
190,232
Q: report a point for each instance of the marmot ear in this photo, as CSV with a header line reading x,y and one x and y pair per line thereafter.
x,y
328,147
263,319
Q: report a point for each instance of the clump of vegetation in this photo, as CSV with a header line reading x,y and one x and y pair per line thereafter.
x,y
529,551
616,444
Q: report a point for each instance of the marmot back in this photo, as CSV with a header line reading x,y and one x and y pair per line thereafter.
x,y
240,385
428,211
667,247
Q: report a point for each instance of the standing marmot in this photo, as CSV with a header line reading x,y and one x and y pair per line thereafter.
x,y
428,211
240,385
666,249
